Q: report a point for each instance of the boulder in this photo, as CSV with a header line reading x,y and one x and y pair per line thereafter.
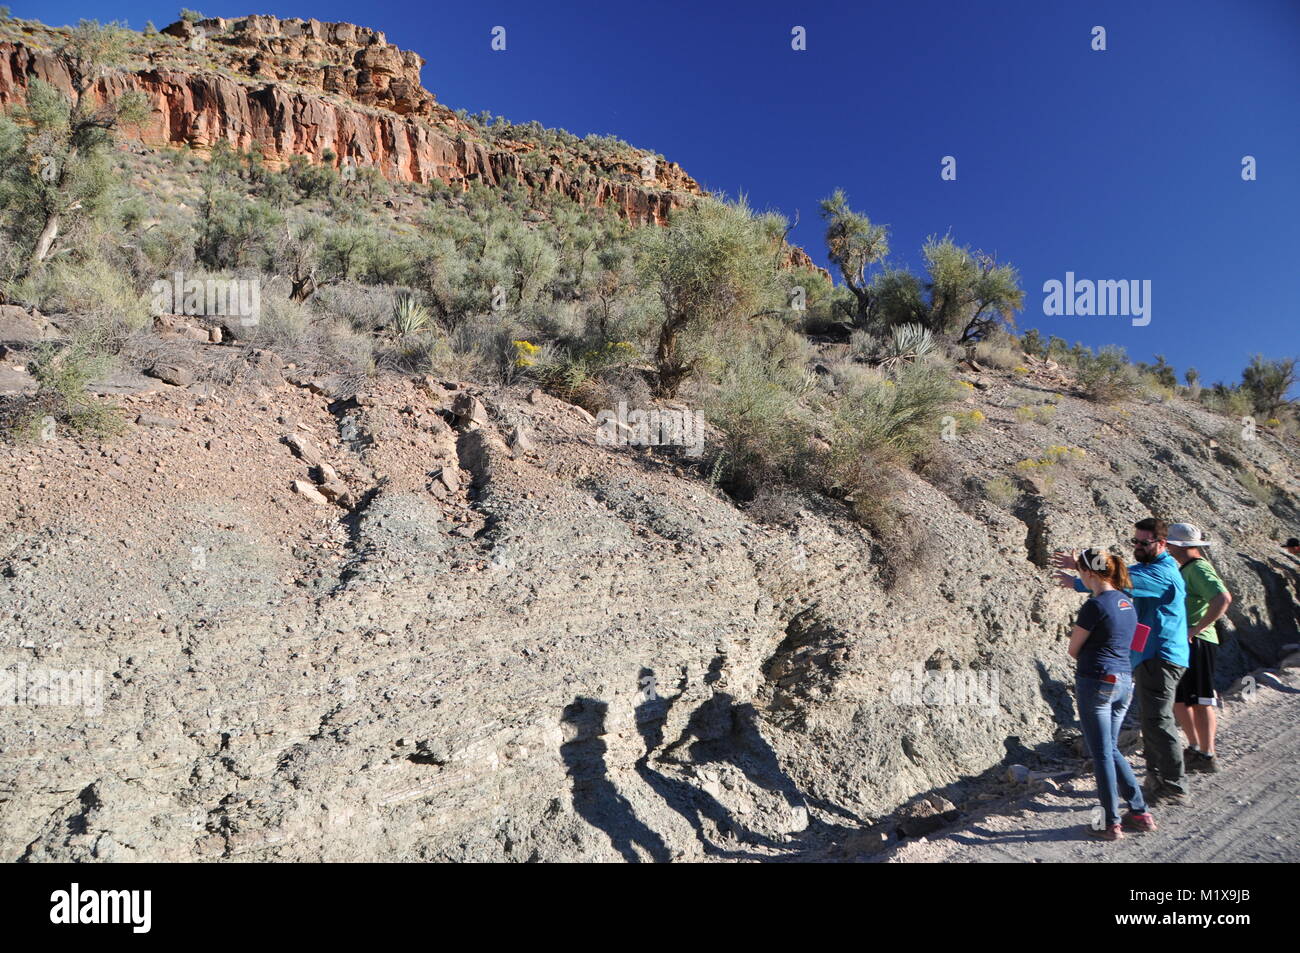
x,y
520,442
172,372
309,492
304,449
469,411
19,327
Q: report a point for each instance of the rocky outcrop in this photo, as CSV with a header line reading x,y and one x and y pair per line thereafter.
x,y
333,92
338,58
559,652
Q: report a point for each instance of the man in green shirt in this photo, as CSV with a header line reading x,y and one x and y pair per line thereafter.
x,y
1207,600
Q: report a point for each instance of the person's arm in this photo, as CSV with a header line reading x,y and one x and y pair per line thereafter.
x,y
1078,635
1213,613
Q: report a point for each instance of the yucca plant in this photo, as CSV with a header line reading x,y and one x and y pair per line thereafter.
x,y
908,343
409,316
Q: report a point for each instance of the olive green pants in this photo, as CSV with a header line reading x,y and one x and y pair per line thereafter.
x,y
1157,680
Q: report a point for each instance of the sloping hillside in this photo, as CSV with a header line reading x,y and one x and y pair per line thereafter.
x,y
561,650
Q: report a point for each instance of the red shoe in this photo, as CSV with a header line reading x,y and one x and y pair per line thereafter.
x,y
1106,833
1139,823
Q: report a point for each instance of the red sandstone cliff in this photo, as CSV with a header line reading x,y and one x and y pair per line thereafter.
x,y
282,88
295,87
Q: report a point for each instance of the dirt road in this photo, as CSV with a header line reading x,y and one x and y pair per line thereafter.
x,y
1248,812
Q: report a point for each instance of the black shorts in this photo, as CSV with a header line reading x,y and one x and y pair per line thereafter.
x,y
1197,684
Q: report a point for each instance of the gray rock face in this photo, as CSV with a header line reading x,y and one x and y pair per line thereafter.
x,y
572,653
18,326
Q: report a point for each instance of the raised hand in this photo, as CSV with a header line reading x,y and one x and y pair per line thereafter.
x,y
1064,579
1065,559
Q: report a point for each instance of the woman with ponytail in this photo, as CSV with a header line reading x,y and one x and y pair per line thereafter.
x,y
1100,641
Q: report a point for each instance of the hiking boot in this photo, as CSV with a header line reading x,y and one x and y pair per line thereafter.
x,y
1139,822
1204,763
1170,797
1112,832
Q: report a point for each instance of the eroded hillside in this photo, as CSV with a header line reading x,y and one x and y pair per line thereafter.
x,y
492,636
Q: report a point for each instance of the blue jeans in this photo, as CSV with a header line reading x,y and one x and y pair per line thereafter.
x,y
1101,713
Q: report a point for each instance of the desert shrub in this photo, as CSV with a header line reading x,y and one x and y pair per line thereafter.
x,y
365,307
863,345
997,355
55,174
283,324
1048,467
529,260
454,356
712,268
1258,490
969,420
852,376
63,374
1001,491
1108,377
312,181
765,431
583,375
1036,413
874,431
776,506
90,286
1032,343
235,231
889,423
1154,388
1229,401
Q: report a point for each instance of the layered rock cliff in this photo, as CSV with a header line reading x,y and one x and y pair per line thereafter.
x,y
333,92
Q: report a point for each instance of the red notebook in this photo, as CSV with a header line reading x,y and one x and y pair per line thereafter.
x,y
1140,637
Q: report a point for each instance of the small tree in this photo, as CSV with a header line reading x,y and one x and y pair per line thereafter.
x,y
969,291
64,175
854,245
711,268
1162,371
1267,384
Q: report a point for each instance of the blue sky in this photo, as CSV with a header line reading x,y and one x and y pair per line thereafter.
x,y
1120,164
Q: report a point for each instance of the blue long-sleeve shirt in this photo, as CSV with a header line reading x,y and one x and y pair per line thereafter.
x,y
1159,594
